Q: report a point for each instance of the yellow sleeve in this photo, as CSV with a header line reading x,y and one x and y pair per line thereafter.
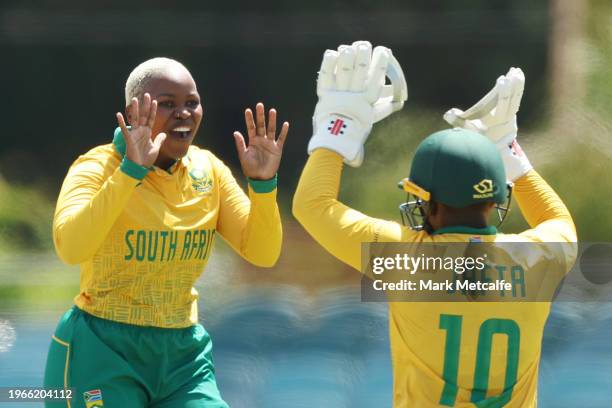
x,y
336,227
92,197
251,225
548,217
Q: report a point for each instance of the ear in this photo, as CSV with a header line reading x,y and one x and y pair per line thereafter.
x,y
432,208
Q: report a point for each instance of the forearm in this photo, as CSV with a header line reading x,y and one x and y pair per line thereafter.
x,y
338,228
542,207
262,235
251,225
86,212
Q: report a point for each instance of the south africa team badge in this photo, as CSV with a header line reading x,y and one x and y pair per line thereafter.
x,y
93,399
200,180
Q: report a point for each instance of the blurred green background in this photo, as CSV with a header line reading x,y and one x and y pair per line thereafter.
x,y
64,67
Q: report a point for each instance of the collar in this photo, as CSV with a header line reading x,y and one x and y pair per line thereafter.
x,y
119,143
460,229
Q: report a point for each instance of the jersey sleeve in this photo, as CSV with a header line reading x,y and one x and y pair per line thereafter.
x,y
548,217
335,226
251,225
90,201
550,221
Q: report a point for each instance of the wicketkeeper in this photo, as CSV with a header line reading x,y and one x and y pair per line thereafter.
x,y
443,354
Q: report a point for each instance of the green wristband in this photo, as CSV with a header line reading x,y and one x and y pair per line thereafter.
x,y
132,169
263,186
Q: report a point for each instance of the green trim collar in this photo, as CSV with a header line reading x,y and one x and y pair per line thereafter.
x,y
119,141
460,229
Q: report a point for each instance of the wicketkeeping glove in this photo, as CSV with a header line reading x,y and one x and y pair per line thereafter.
x,y
495,117
353,96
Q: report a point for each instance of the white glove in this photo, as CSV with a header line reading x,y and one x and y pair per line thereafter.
x,y
353,95
495,117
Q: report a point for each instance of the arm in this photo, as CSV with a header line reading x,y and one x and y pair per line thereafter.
x,y
251,227
91,199
495,116
89,203
338,228
548,217
352,96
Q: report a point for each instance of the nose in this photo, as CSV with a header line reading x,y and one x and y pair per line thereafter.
x,y
183,113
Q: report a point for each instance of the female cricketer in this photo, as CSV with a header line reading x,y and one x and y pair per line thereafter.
x,y
449,354
140,216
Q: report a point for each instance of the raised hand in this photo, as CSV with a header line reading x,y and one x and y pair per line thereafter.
x,y
260,160
353,96
141,148
495,117
495,114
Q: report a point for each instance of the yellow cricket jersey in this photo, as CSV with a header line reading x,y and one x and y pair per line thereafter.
x,y
143,236
461,354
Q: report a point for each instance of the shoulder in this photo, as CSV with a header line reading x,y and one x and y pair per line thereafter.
x,y
100,159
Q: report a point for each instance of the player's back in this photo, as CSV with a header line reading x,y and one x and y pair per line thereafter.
x,y
474,350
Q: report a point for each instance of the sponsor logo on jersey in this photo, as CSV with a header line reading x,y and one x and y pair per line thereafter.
x,y
93,399
200,180
484,189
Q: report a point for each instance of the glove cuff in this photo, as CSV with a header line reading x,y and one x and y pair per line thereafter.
x,y
515,160
342,135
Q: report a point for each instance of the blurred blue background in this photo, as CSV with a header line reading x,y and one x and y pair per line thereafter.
x,y
287,346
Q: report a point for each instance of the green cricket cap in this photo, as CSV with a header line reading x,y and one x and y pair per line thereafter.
x,y
458,167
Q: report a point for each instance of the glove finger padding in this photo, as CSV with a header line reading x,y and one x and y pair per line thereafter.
x,y
392,97
363,57
326,78
495,117
352,96
482,107
502,110
344,67
518,87
377,73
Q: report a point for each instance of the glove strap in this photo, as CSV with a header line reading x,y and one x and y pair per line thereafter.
x,y
515,160
342,135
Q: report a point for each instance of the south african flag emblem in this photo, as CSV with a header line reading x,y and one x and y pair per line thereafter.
x,y
93,399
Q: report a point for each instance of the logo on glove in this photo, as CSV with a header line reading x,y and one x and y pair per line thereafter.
x,y
337,127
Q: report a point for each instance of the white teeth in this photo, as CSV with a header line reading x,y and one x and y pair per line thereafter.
x,y
182,129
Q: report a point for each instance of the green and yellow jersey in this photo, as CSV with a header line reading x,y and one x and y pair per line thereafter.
x,y
143,236
460,354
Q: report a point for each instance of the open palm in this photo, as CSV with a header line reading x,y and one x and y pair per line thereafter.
x,y
261,158
140,147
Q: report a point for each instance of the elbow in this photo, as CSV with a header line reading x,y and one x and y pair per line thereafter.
x,y
299,206
265,260
265,263
68,254
69,257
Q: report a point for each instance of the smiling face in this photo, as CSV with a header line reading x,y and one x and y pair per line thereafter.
x,y
179,112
